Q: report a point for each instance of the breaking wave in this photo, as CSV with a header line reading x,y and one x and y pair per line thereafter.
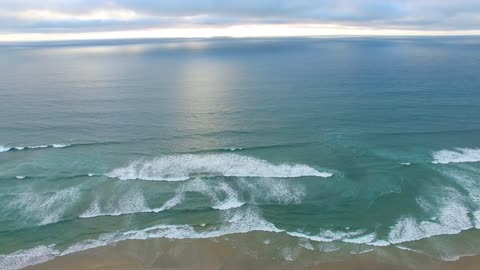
x,y
459,155
129,203
452,217
23,258
183,167
19,148
241,221
45,208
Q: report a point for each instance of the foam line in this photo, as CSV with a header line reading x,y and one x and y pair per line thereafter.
x,y
183,167
459,155
20,148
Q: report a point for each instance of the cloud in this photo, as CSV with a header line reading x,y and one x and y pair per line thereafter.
x,y
95,15
69,16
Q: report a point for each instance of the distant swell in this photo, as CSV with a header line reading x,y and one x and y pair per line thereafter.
x,y
459,155
19,148
183,167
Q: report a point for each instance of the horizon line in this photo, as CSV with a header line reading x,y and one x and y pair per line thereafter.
x,y
235,31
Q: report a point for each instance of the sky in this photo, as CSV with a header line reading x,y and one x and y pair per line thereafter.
x,y
32,20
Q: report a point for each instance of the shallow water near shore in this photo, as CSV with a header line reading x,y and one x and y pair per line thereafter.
x,y
335,146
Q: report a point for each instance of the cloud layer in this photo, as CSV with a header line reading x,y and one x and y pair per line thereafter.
x,y
71,16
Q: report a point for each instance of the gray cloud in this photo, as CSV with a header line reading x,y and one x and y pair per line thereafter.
x,y
394,14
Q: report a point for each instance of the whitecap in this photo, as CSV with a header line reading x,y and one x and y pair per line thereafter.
x,y
453,218
32,147
459,155
23,258
129,203
20,177
240,221
231,200
275,190
229,205
60,145
20,148
45,208
328,235
4,149
476,216
354,237
183,167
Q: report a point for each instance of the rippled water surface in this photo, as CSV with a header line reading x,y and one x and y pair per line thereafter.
x,y
359,143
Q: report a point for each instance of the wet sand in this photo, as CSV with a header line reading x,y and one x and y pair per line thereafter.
x,y
236,252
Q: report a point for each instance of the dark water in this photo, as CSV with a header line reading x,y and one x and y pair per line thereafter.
x,y
357,143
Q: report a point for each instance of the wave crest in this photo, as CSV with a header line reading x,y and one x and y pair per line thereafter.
x,y
20,148
183,167
459,155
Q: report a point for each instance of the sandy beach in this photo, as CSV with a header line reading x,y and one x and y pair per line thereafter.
x,y
236,252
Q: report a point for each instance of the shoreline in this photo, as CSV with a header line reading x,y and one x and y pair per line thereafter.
x,y
240,252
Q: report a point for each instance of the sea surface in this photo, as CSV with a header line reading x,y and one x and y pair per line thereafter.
x,y
340,144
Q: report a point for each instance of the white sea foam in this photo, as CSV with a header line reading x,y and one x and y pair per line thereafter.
x,y
231,200
183,167
222,196
20,177
129,203
245,220
452,218
254,191
406,163
60,145
468,180
212,192
305,243
328,235
355,237
240,220
134,202
369,238
23,258
476,219
45,208
228,205
275,190
458,155
20,148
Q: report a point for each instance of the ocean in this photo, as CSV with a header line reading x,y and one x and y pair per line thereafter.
x,y
338,145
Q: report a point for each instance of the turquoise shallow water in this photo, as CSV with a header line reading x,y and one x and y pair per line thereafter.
x,y
354,142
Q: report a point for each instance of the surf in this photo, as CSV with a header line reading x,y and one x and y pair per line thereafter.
x,y
183,167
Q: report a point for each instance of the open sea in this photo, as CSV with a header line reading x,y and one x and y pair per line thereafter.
x,y
339,145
